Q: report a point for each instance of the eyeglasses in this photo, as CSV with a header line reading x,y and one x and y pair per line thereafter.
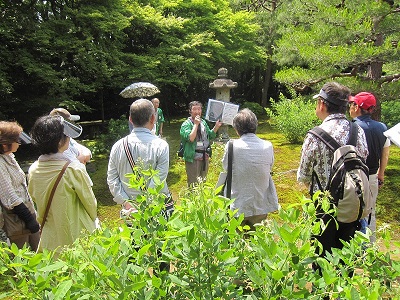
x,y
350,104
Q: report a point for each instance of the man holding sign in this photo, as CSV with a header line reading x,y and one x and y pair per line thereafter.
x,y
195,137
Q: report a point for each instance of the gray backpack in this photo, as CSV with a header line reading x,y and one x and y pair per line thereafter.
x,y
348,181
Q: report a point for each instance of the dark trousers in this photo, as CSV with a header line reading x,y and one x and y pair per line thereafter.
x,y
332,236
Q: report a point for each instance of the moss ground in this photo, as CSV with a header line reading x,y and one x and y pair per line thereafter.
x,y
284,174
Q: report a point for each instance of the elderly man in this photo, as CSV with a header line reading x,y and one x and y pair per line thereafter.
x,y
195,137
145,149
316,157
158,130
361,106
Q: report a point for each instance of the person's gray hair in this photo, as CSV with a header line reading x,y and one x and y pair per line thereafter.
x,y
141,111
194,103
245,121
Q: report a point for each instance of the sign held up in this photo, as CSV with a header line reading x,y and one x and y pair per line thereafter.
x,y
221,110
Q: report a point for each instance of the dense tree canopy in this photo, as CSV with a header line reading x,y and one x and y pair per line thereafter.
x,y
355,42
78,53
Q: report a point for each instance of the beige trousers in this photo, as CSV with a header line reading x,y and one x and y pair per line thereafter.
x,y
196,169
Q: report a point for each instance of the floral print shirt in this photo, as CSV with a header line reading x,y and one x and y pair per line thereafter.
x,y
315,155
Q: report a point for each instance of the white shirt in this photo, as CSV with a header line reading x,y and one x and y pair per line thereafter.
x,y
13,187
74,149
148,151
252,186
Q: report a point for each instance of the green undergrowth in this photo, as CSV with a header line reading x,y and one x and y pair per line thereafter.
x,y
209,254
287,158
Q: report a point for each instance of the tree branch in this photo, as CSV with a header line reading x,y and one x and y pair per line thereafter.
x,y
300,87
389,78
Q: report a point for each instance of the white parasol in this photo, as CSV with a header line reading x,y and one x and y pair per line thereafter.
x,y
139,89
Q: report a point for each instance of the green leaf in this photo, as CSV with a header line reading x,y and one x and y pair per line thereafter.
x,y
144,249
35,260
190,236
55,266
156,281
277,274
138,285
187,228
177,280
329,276
286,235
62,289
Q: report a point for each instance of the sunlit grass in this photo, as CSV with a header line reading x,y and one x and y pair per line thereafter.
x,y
287,158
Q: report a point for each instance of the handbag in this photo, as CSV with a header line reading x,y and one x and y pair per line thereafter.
x,y
225,178
169,202
13,225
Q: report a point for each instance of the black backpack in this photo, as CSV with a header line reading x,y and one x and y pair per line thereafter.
x,y
348,181
181,150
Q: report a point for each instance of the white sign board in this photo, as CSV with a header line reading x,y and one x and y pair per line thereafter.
x,y
221,110
393,134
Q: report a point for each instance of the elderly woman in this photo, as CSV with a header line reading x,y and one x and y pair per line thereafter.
x,y
19,214
252,186
74,207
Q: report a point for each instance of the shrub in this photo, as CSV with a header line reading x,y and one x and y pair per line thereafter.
x,y
256,108
209,253
293,117
116,129
390,113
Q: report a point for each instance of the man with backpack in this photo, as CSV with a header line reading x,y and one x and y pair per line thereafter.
x,y
317,155
361,106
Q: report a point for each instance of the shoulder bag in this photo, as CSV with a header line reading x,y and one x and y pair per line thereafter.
x,y
53,190
169,202
225,178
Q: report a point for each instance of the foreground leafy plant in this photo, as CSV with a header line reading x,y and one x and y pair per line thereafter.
x,y
211,257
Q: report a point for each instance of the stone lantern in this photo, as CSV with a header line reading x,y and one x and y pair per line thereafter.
x,y
223,86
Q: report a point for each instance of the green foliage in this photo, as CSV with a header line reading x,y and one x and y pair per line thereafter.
x,y
210,255
116,129
254,107
390,112
86,52
293,117
77,106
323,40
388,202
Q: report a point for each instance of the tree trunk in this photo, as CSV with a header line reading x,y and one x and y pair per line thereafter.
x,y
257,85
101,99
267,79
375,68
375,73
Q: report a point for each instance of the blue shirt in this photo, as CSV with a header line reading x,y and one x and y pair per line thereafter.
x,y
375,139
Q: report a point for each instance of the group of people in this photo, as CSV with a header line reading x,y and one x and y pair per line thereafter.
x,y
55,203
252,159
252,186
74,205
372,146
